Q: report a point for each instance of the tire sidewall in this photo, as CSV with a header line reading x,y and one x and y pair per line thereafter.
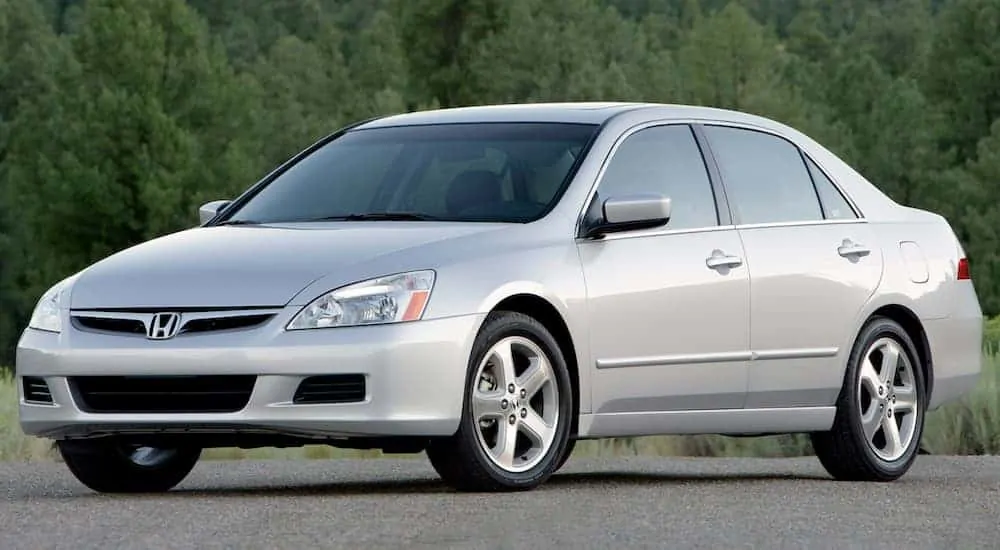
x,y
874,330
496,328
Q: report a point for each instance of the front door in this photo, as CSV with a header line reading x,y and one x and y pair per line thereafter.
x,y
669,306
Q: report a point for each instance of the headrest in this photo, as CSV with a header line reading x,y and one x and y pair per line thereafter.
x,y
473,188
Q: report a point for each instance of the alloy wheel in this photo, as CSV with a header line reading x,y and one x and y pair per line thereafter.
x,y
515,404
887,399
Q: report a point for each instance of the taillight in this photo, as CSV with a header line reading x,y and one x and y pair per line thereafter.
x,y
963,269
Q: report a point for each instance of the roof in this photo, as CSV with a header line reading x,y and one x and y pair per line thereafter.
x,y
579,112
566,112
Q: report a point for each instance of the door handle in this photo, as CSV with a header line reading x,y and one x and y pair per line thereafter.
x,y
850,248
721,259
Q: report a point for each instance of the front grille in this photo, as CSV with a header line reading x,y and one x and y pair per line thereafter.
x,y
333,388
36,390
163,394
197,324
224,323
107,324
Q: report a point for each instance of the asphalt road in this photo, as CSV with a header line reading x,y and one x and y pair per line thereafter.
x,y
944,502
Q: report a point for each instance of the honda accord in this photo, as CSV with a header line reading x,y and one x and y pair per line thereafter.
x,y
490,285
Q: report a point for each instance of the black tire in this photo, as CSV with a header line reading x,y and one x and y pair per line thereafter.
x,y
106,467
460,460
844,451
570,445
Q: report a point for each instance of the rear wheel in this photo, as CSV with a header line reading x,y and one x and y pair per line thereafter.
x,y
517,410
119,467
880,411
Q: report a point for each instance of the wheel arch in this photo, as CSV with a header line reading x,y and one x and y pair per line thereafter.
x,y
915,330
546,313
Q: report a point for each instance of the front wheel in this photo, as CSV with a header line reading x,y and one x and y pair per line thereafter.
x,y
517,410
117,467
570,445
880,412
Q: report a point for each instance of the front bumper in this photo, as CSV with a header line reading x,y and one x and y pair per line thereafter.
x,y
414,376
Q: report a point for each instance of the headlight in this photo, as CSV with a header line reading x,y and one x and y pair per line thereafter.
x,y
390,299
47,316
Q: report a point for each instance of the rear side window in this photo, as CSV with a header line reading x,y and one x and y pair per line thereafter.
x,y
665,160
835,206
766,180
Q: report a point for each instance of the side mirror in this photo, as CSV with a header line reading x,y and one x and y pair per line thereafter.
x,y
631,213
210,209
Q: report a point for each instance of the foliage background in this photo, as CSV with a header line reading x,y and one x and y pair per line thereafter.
x,y
119,117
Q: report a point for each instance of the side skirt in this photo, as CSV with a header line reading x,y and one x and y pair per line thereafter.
x,y
723,422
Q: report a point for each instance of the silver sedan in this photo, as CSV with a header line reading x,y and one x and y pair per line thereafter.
x,y
492,284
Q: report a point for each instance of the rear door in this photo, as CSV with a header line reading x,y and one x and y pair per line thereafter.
x,y
813,265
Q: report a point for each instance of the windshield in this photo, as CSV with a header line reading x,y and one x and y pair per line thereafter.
x,y
457,172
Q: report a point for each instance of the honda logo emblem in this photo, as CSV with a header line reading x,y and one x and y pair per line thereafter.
x,y
163,326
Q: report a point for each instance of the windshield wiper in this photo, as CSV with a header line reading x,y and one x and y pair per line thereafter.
x,y
388,216
239,222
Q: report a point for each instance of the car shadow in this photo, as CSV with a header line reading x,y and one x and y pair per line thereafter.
x,y
436,486
644,478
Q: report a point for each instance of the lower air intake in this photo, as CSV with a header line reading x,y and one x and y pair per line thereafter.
x,y
36,390
331,388
163,394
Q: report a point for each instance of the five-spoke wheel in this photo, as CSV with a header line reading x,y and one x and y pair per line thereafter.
x,y
887,399
516,404
880,412
518,408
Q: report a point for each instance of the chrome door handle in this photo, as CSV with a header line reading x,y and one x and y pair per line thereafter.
x,y
721,259
849,248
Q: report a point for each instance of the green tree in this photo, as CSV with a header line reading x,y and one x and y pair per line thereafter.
x,y
305,93
729,60
145,122
31,60
379,69
964,69
975,203
442,36
540,55
118,117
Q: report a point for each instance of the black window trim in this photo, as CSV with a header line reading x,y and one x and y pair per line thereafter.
x,y
240,200
859,218
806,159
723,214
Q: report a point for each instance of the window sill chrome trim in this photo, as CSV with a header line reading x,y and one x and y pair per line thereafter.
x,y
767,225
710,229
655,233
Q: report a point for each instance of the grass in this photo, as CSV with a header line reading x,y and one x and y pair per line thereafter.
x,y
14,445
967,427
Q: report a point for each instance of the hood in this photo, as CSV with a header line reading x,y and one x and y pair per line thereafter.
x,y
247,266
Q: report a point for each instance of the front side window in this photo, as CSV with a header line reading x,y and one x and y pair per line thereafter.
x,y
454,172
766,180
664,160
